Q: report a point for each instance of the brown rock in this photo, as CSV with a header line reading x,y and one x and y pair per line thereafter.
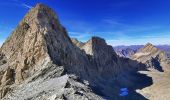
x,y
153,57
8,77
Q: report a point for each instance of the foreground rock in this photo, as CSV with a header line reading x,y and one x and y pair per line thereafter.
x,y
50,84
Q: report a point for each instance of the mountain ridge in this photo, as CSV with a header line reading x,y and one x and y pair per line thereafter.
x,y
123,51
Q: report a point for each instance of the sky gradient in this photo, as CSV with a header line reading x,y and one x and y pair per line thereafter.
x,y
120,22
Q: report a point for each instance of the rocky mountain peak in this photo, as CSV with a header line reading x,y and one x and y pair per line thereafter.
x,y
92,45
41,9
152,57
149,44
149,48
38,5
42,15
102,56
97,40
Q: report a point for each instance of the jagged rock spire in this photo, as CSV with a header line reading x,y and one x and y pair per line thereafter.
x,y
39,38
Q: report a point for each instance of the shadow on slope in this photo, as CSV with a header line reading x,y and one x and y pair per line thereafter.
x,y
157,65
109,86
129,78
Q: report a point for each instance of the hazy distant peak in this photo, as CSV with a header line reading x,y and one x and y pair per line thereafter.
x,y
149,44
149,48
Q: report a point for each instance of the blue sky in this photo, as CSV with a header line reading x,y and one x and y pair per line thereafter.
x,y
120,22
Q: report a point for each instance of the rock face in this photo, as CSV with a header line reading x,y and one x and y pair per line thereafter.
x,y
152,57
102,56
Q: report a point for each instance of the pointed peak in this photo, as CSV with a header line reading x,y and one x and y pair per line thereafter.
x,y
149,44
149,48
41,14
96,39
41,6
74,39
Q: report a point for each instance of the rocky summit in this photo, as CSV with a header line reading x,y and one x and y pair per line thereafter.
x,y
153,57
39,61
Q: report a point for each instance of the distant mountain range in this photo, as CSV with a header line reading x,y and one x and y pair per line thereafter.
x,y
128,51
